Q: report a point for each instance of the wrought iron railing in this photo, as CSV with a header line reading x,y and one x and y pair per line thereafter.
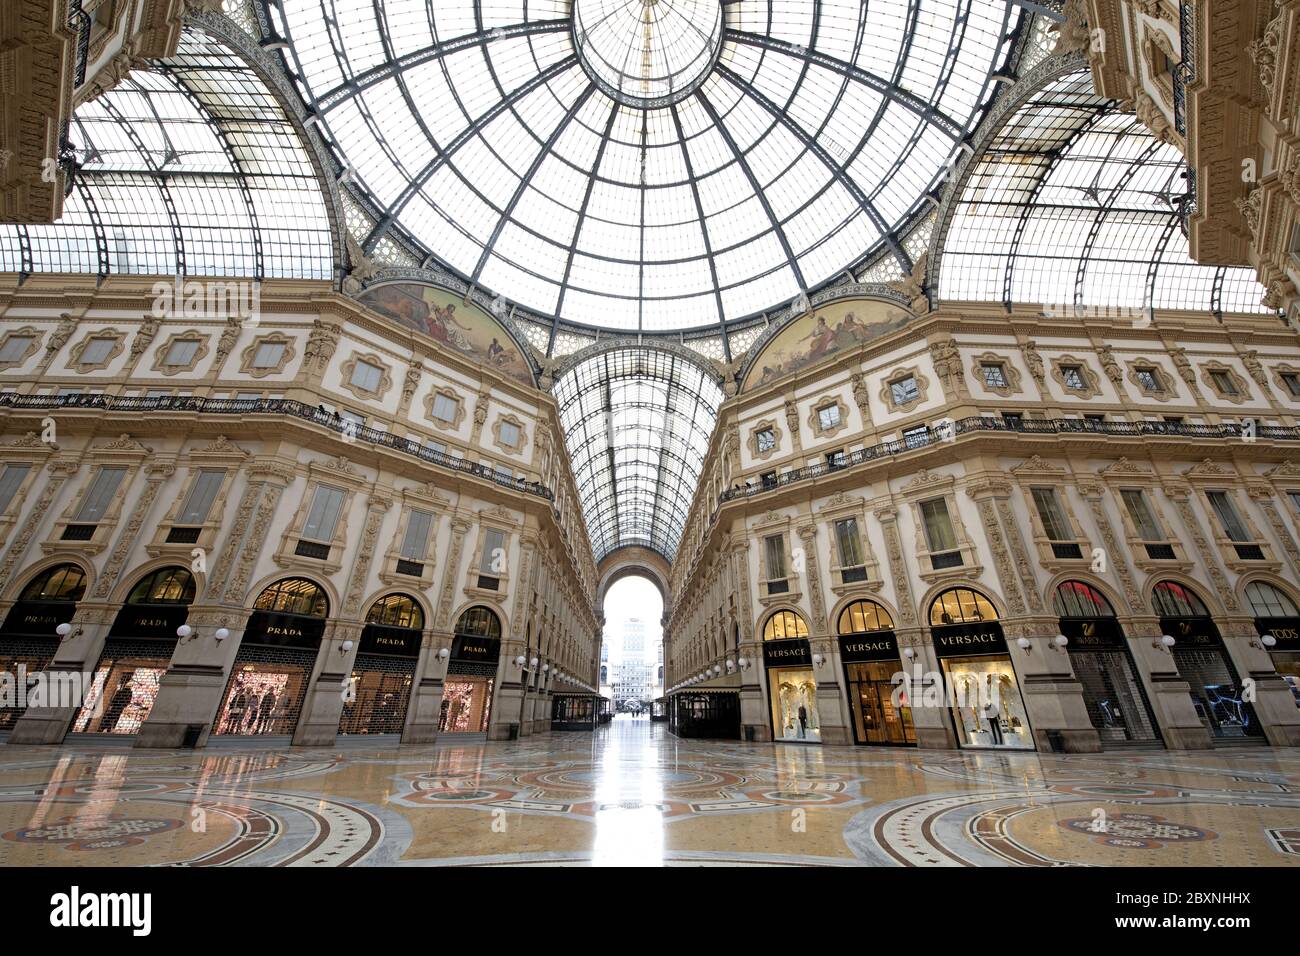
x,y
1184,71
275,406
80,21
980,423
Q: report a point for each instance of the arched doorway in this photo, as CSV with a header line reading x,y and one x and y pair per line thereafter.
x,y
28,639
471,673
384,670
983,692
1203,662
137,653
268,680
869,652
1112,691
1276,617
791,682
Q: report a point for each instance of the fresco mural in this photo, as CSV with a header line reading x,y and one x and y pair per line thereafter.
x,y
822,332
451,322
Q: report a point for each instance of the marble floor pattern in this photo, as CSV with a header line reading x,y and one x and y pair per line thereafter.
x,y
632,794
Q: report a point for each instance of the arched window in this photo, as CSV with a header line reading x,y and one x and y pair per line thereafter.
x,y
294,596
479,622
64,582
862,616
396,610
164,586
1076,599
1174,600
1267,601
783,625
961,606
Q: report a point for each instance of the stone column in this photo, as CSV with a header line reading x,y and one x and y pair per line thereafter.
x,y
1167,692
425,708
318,724
832,706
1274,704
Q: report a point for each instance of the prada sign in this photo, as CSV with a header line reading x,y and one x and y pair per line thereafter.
x,y
1285,630
876,646
151,621
477,650
393,641
787,653
37,618
271,629
1191,631
1094,634
967,640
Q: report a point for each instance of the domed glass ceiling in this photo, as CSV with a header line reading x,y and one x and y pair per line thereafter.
x,y
645,164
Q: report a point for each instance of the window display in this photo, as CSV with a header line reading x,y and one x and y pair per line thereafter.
x,y
27,639
466,705
869,651
124,687
1277,617
265,693
793,693
377,698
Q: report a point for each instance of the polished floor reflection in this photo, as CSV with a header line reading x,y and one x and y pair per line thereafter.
x,y
632,794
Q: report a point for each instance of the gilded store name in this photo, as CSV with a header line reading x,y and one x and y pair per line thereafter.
x,y
987,638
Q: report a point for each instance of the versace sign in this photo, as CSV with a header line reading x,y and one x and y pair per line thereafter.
x,y
968,640
787,653
860,648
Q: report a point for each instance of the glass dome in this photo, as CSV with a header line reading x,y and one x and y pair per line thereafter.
x,y
652,165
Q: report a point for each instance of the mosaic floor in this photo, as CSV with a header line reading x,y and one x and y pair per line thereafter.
x,y
631,794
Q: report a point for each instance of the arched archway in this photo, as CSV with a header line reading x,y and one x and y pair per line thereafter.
x,y
632,650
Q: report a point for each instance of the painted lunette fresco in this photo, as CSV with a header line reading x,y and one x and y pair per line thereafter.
x,y
451,322
822,332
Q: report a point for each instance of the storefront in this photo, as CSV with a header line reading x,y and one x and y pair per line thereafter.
x,y
1112,691
471,673
982,693
1203,662
882,713
1276,617
268,681
574,711
384,670
708,714
791,682
28,640
136,654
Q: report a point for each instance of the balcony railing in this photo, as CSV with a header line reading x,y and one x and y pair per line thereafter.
x,y
981,423
1185,71
275,406
79,20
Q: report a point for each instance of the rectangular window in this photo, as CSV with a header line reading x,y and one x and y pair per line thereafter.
x,y
367,377
1050,512
97,351
323,517
1294,497
415,545
199,503
11,479
158,393
493,559
765,440
352,421
248,396
995,376
1233,524
1072,375
100,496
445,408
835,459
437,447
1149,379
1290,379
181,353
509,433
904,390
268,355
15,348
1140,513
1223,382
939,533
828,417
916,437
768,478
774,551
1013,419
850,545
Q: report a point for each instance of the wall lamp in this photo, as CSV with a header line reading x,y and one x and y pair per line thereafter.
x,y
1263,641
66,631
909,653
187,633
731,665
1164,642
1060,642
520,661
744,663
444,653
532,662
1024,643
818,660
345,647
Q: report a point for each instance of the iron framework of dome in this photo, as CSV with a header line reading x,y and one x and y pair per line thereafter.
x,y
648,165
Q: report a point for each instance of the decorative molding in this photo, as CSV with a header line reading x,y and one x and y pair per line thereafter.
x,y
1243,390
440,424
814,420
160,354
899,375
1092,384
766,424
518,447
33,346
1010,374
274,338
117,338
374,361
1162,394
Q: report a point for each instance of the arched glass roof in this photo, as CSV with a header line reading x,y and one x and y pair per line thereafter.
x,y
1075,204
187,167
637,423
644,164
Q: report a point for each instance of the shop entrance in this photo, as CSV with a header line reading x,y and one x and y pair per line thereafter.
x,y
882,713
28,639
791,683
471,674
1112,691
136,654
384,669
1278,624
983,695
1203,662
